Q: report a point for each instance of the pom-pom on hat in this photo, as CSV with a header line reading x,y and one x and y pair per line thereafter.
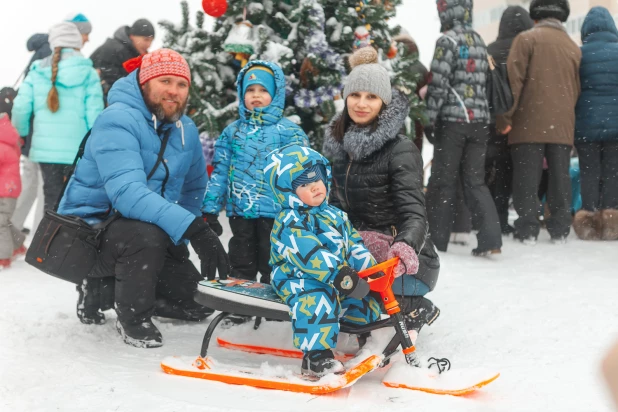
x,y
83,24
368,75
163,62
261,75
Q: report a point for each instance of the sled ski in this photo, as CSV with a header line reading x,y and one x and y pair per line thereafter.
x,y
454,382
267,350
212,370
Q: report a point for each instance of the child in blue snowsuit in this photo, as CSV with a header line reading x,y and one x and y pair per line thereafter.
x,y
316,255
240,155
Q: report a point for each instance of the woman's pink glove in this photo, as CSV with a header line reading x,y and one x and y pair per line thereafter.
x,y
377,243
408,261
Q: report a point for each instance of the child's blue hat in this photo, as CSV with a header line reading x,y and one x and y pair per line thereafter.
x,y
310,175
261,75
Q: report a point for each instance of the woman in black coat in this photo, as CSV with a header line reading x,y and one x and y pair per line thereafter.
x,y
378,181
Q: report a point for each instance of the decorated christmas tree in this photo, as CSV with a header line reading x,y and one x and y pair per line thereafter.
x,y
309,39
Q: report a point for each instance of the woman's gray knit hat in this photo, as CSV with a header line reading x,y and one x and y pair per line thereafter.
x,y
368,75
65,34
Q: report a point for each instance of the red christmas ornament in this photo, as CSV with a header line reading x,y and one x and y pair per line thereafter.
x,y
214,8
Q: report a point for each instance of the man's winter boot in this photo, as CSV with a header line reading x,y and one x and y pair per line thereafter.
x,y
318,363
5,263
609,222
418,312
587,225
478,252
141,334
88,303
182,310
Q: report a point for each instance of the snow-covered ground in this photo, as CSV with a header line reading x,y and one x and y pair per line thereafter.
x,y
542,316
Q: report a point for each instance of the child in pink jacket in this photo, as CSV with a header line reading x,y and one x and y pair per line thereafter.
x,y
11,239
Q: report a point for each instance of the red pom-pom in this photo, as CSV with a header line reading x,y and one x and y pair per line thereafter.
x,y
214,8
132,64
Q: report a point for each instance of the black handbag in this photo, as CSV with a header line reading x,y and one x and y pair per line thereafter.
x,y
499,95
66,246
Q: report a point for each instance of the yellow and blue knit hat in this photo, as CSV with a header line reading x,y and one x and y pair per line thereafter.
x,y
261,75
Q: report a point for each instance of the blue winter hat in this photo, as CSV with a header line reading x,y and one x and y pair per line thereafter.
x,y
310,175
83,24
261,75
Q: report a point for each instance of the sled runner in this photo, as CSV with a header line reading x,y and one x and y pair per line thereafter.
x,y
248,298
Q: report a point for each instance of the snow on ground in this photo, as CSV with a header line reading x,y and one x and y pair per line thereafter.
x,y
542,316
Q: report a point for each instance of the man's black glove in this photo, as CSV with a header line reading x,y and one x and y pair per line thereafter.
x,y
430,134
348,283
209,248
213,222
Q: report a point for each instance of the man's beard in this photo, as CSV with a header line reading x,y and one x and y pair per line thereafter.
x,y
159,112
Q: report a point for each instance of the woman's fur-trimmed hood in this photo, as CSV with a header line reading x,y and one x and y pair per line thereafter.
x,y
360,142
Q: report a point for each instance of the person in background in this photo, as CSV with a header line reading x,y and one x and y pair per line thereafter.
x,y
11,239
498,163
127,43
596,128
543,68
459,118
63,93
32,181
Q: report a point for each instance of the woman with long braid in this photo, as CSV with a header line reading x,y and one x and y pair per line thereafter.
x,y
63,91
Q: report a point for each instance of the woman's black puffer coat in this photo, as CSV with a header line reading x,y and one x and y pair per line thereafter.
x,y
378,177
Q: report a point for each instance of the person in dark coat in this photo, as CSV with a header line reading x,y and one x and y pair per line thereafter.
x,y
543,69
378,182
458,109
596,128
498,164
127,43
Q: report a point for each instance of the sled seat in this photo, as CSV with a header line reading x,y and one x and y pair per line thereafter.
x,y
242,297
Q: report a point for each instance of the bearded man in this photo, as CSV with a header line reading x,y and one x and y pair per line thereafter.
x,y
143,161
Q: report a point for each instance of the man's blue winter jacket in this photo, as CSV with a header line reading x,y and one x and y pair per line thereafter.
x,y
121,152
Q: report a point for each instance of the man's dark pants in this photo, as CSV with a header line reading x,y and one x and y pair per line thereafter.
x,y
527,171
146,266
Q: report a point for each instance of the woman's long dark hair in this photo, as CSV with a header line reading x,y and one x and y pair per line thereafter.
x,y
344,121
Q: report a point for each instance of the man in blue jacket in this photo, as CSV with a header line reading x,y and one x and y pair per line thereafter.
x,y
144,161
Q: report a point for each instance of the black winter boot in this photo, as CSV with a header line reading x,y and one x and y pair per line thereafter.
x,y
182,310
318,363
88,303
140,334
419,311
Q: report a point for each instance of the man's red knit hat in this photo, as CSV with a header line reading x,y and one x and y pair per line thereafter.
x,y
163,62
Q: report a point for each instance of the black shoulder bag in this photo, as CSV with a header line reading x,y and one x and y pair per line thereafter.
x,y
499,95
66,246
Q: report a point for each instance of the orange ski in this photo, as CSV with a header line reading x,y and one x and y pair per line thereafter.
x,y
208,369
266,350
453,382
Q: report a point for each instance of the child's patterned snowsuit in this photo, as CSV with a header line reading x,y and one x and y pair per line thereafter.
x,y
309,245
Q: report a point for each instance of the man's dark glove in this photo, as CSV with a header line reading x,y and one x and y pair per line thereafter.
x,y
213,222
430,134
179,252
209,248
348,283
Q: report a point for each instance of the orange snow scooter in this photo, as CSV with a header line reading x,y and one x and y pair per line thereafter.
x,y
248,298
